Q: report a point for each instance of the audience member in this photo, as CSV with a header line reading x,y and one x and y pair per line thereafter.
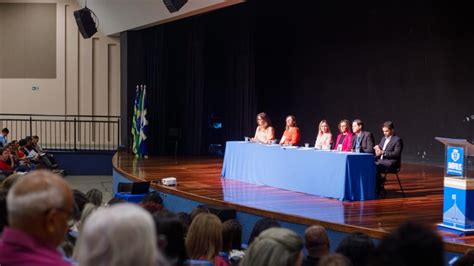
x,y
204,239
152,202
344,139
324,136
264,133
410,244
232,241
94,196
3,137
388,153
7,163
316,241
358,248
80,201
262,225
185,218
275,247
3,210
362,141
39,207
171,233
8,182
123,234
198,210
291,135
334,260
114,201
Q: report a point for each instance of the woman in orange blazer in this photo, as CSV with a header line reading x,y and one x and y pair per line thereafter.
x,y
291,136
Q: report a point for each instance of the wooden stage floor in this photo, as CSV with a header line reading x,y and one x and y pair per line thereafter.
x,y
200,179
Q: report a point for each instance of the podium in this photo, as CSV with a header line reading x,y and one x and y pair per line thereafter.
x,y
458,204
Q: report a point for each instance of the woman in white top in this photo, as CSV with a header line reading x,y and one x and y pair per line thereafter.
x,y
265,133
324,138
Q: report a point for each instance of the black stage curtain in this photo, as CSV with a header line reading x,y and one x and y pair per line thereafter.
x,y
199,73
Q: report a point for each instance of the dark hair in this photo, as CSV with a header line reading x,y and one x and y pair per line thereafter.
x,y
22,142
3,209
154,197
388,124
80,201
343,121
5,130
231,235
265,118
411,244
170,236
198,210
262,225
358,248
95,197
185,218
114,201
358,122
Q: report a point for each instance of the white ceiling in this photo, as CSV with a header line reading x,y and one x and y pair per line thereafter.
x,y
116,16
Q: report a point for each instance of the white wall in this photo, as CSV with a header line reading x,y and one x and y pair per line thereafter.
x,y
88,73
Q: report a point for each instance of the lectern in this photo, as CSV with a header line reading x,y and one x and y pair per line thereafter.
x,y
458,205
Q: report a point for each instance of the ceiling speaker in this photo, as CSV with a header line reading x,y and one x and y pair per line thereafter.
x,y
174,5
85,22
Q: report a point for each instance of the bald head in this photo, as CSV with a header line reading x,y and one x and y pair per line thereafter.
x,y
37,195
316,241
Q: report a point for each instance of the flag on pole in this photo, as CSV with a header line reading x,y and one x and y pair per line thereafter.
x,y
135,128
142,149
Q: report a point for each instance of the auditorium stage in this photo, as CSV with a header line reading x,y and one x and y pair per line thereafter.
x,y
199,179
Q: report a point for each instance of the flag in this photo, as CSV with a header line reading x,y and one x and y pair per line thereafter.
x,y
135,128
142,150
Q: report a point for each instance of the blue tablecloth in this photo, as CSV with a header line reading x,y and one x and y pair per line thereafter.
x,y
340,175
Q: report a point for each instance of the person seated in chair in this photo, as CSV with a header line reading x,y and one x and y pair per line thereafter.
x,y
264,133
388,154
362,141
344,139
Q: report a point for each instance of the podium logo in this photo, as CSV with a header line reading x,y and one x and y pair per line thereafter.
x,y
454,161
455,155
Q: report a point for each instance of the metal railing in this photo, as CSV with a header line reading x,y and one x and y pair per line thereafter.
x,y
65,132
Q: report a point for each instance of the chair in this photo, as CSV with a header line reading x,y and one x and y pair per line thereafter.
x,y
395,172
173,136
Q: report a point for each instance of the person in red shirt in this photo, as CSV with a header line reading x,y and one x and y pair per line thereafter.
x,y
291,136
6,162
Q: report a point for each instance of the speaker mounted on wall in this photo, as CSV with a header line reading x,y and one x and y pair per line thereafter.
x,y
86,22
174,5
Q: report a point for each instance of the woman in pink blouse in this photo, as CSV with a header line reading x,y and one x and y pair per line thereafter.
x,y
265,133
344,139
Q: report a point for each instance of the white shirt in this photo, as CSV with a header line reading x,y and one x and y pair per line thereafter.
x,y
387,140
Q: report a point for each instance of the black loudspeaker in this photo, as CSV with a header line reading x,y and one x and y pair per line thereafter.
x,y
174,5
223,213
85,22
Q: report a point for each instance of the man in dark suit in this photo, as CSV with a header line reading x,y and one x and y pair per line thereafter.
x,y
388,153
362,141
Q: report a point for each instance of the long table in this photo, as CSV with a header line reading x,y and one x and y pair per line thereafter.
x,y
339,175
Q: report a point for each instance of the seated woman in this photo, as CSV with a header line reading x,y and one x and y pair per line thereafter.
x,y
324,138
291,136
344,139
265,133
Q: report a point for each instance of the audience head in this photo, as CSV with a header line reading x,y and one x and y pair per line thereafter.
x,y
41,204
5,154
290,121
80,200
410,244
231,235
5,132
204,238
171,234
185,218
3,209
334,260
29,140
114,201
357,126
94,196
123,234
388,128
262,225
264,120
323,127
275,247
358,248
198,210
89,208
344,126
152,202
35,139
316,241
8,182
22,142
